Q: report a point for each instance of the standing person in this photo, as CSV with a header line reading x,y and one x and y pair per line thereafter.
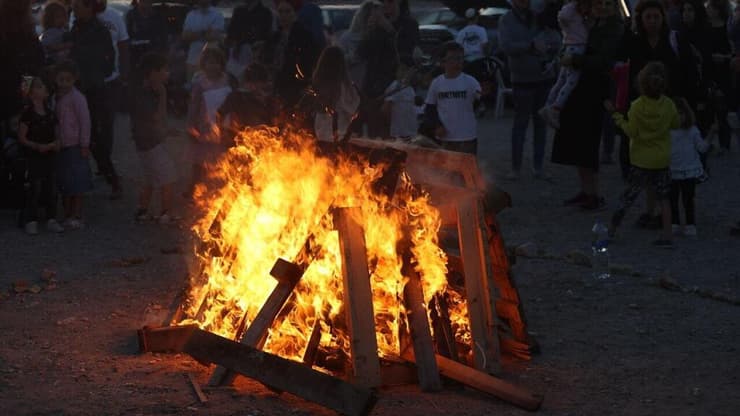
x,y
147,30
576,142
473,37
450,101
378,49
519,38
250,105
250,27
148,130
55,22
104,125
75,177
21,54
211,86
716,57
309,15
37,131
649,122
405,30
93,52
203,24
686,168
400,102
337,98
351,38
572,19
292,54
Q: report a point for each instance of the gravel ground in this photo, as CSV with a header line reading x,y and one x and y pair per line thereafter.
x,y
623,346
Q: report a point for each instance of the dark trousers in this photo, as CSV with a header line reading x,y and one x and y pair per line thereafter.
x,y
102,115
42,190
716,108
684,189
528,99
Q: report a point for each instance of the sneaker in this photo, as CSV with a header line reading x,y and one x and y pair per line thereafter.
x,y
53,226
512,176
690,230
73,224
663,243
676,229
576,200
593,203
32,228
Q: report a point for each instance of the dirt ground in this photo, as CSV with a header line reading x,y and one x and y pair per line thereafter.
x,y
624,346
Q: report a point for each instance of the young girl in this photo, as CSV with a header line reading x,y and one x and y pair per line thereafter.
x,y
211,86
54,37
37,131
74,173
400,102
650,119
572,20
337,98
686,167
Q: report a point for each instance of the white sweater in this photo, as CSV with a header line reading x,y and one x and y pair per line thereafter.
x,y
686,144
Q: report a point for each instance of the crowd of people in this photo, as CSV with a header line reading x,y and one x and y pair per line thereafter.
x,y
658,81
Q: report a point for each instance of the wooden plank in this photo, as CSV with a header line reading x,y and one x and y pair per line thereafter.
x,y
486,354
312,348
164,339
484,382
421,335
256,334
196,388
444,336
358,298
282,374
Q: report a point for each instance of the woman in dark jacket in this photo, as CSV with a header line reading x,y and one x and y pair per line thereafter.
x,y
576,143
292,53
20,53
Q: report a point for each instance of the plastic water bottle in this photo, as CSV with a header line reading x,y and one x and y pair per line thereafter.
x,y
600,250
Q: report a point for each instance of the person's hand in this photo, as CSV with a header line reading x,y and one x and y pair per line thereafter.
x,y
566,60
440,132
609,107
85,151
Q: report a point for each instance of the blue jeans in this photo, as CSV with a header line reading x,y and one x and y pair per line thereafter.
x,y
528,99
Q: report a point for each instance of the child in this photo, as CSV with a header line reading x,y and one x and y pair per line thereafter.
x,y
686,167
249,105
37,131
450,102
211,86
54,37
649,122
400,102
336,96
148,126
74,173
572,20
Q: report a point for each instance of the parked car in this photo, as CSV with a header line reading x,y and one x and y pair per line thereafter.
x,y
337,18
440,25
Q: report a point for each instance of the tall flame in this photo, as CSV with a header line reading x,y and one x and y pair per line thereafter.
x,y
269,194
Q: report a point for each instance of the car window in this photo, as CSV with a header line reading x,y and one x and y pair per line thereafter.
x,y
429,18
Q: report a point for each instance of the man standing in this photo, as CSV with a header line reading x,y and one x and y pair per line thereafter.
x,y
103,128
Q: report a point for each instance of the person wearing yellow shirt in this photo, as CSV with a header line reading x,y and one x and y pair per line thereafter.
x,y
649,122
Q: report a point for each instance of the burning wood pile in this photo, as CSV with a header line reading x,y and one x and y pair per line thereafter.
x,y
321,273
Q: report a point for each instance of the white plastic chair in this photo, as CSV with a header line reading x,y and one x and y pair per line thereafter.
x,y
502,90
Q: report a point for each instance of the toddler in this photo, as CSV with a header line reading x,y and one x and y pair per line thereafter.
x,y
400,102
55,37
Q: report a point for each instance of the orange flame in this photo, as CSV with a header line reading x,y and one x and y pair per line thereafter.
x,y
265,198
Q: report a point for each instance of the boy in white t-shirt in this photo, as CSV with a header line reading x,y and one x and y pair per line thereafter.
x,y
450,104
400,102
